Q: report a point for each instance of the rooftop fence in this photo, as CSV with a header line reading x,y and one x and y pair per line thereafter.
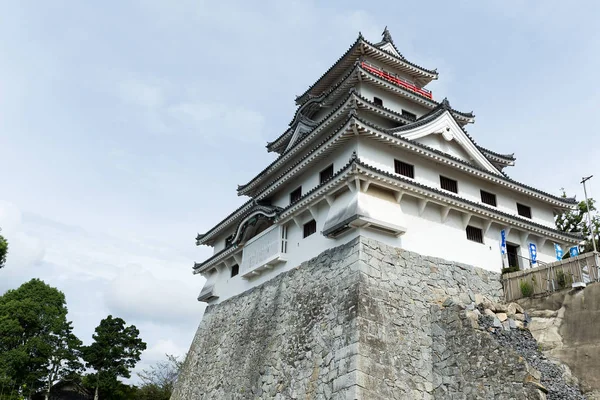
x,y
548,278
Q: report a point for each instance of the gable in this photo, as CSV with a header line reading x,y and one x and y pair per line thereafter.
x,y
445,129
390,49
438,142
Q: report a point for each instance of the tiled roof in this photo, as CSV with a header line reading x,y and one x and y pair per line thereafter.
x,y
458,160
200,238
350,49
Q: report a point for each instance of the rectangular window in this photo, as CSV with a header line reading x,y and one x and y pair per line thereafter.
x,y
296,195
310,227
378,101
326,174
448,184
474,234
409,115
235,270
488,198
524,211
404,169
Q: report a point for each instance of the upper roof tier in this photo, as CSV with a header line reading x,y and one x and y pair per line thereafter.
x,y
385,52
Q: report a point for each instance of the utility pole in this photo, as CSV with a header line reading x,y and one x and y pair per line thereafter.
x,y
589,218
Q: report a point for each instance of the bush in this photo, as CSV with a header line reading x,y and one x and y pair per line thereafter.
x,y
526,289
508,270
563,280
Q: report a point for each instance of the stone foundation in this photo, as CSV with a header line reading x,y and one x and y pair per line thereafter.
x,y
361,321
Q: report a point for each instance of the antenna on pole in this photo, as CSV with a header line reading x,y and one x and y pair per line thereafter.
x,y
589,218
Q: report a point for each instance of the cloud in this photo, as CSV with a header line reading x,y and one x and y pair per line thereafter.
x,y
140,295
25,250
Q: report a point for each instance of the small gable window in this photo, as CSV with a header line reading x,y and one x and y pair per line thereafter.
x,y
524,211
326,174
378,101
404,169
296,195
235,270
448,184
310,227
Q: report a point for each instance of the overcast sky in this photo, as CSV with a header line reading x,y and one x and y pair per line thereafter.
x,y
125,126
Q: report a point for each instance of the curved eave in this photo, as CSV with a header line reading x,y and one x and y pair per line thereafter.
x,y
360,47
504,159
205,239
357,168
419,148
333,117
393,137
416,97
215,259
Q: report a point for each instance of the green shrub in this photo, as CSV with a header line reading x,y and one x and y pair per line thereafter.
x,y
508,270
563,280
526,288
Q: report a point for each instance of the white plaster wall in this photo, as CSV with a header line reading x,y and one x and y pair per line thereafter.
x,y
299,250
391,101
427,172
309,178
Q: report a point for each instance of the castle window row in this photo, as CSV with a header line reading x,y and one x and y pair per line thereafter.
x,y
451,185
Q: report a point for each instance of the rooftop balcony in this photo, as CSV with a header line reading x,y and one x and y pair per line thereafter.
x,y
396,80
264,251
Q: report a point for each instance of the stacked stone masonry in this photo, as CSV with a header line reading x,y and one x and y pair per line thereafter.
x,y
361,321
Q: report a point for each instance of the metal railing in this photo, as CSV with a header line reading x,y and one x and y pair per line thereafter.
x,y
548,278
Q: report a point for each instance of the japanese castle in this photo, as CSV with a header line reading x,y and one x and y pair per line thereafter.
x,y
371,152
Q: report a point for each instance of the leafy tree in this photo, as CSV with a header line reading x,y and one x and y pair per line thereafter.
x,y
3,250
32,318
575,221
115,351
158,381
64,362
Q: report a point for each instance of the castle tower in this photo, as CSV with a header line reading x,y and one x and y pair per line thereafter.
x,y
371,152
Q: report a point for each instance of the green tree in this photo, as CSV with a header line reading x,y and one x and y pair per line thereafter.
x,y
32,317
64,361
3,250
115,351
575,221
158,381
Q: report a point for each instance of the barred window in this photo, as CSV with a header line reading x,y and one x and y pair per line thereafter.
x,y
488,198
296,195
448,184
326,174
310,227
235,270
474,234
524,211
409,115
404,169
378,101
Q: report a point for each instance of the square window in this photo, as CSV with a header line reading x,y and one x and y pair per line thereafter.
x,y
326,174
296,195
310,227
474,234
409,115
378,101
524,211
448,184
404,169
488,198
235,270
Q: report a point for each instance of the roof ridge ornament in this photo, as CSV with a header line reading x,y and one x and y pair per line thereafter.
x,y
387,36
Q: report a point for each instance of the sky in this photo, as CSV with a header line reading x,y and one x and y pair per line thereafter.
x,y
125,126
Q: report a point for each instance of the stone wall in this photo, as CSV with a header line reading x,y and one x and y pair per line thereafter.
x,y
354,323
566,326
